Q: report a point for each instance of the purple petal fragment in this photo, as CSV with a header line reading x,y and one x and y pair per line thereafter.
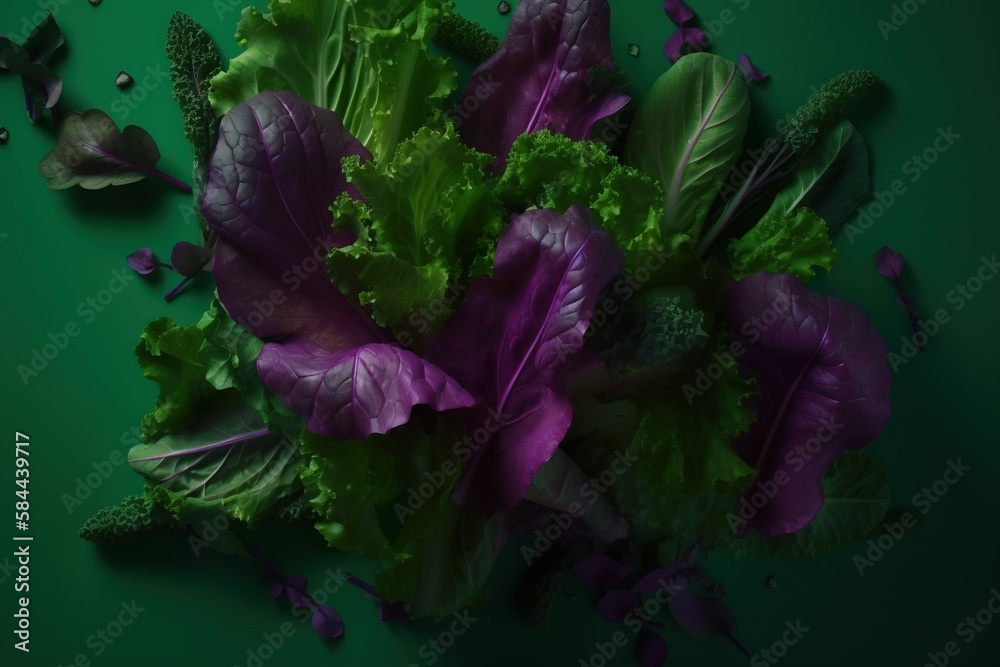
x,y
295,587
678,11
704,617
616,605
691,39
188,259
538,78
750,73
276,589
143,262
327,622
394,612
665,578
823,378
602,571
651,650
889,263
512,339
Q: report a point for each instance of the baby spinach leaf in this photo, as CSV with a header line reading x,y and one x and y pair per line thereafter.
x,y
93,153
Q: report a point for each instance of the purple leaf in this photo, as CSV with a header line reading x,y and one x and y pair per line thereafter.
x,y
686,40
276,589
327,622
274,175
189,258
394,612
824,388
889,263
616,605
537,80
295,590
602,571
355,391
143,262
666,578
678,11
651,650
750,72
704,617
514,336
557,486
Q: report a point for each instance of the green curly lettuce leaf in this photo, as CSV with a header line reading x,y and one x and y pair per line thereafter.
x,y
367,60
784,244
429,210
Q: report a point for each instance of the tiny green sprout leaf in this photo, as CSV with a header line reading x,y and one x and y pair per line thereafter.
x,y
93,153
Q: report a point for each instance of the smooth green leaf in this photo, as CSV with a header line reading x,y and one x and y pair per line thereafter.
x,y
226,457
687,134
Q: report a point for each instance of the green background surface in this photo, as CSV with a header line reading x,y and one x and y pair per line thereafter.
x,y
59,248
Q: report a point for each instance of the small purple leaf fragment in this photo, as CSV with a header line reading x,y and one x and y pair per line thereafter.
x,y
704,617
327,622
295,587
678,11
666,578
687,40
143,262
276,589
601,571
890,264
750,72
189,258
616,605
394,612
651,650
124,80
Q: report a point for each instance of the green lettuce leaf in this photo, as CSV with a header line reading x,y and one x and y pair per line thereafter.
x,y
226,457
367,60
687,134
346,482
428,211
168,355
548,170
784,244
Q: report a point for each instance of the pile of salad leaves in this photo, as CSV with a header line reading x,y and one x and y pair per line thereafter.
x,y
419,282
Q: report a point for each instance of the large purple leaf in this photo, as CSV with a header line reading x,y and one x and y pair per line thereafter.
x,y
355,391
538,78
273,176
824,386
511,339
